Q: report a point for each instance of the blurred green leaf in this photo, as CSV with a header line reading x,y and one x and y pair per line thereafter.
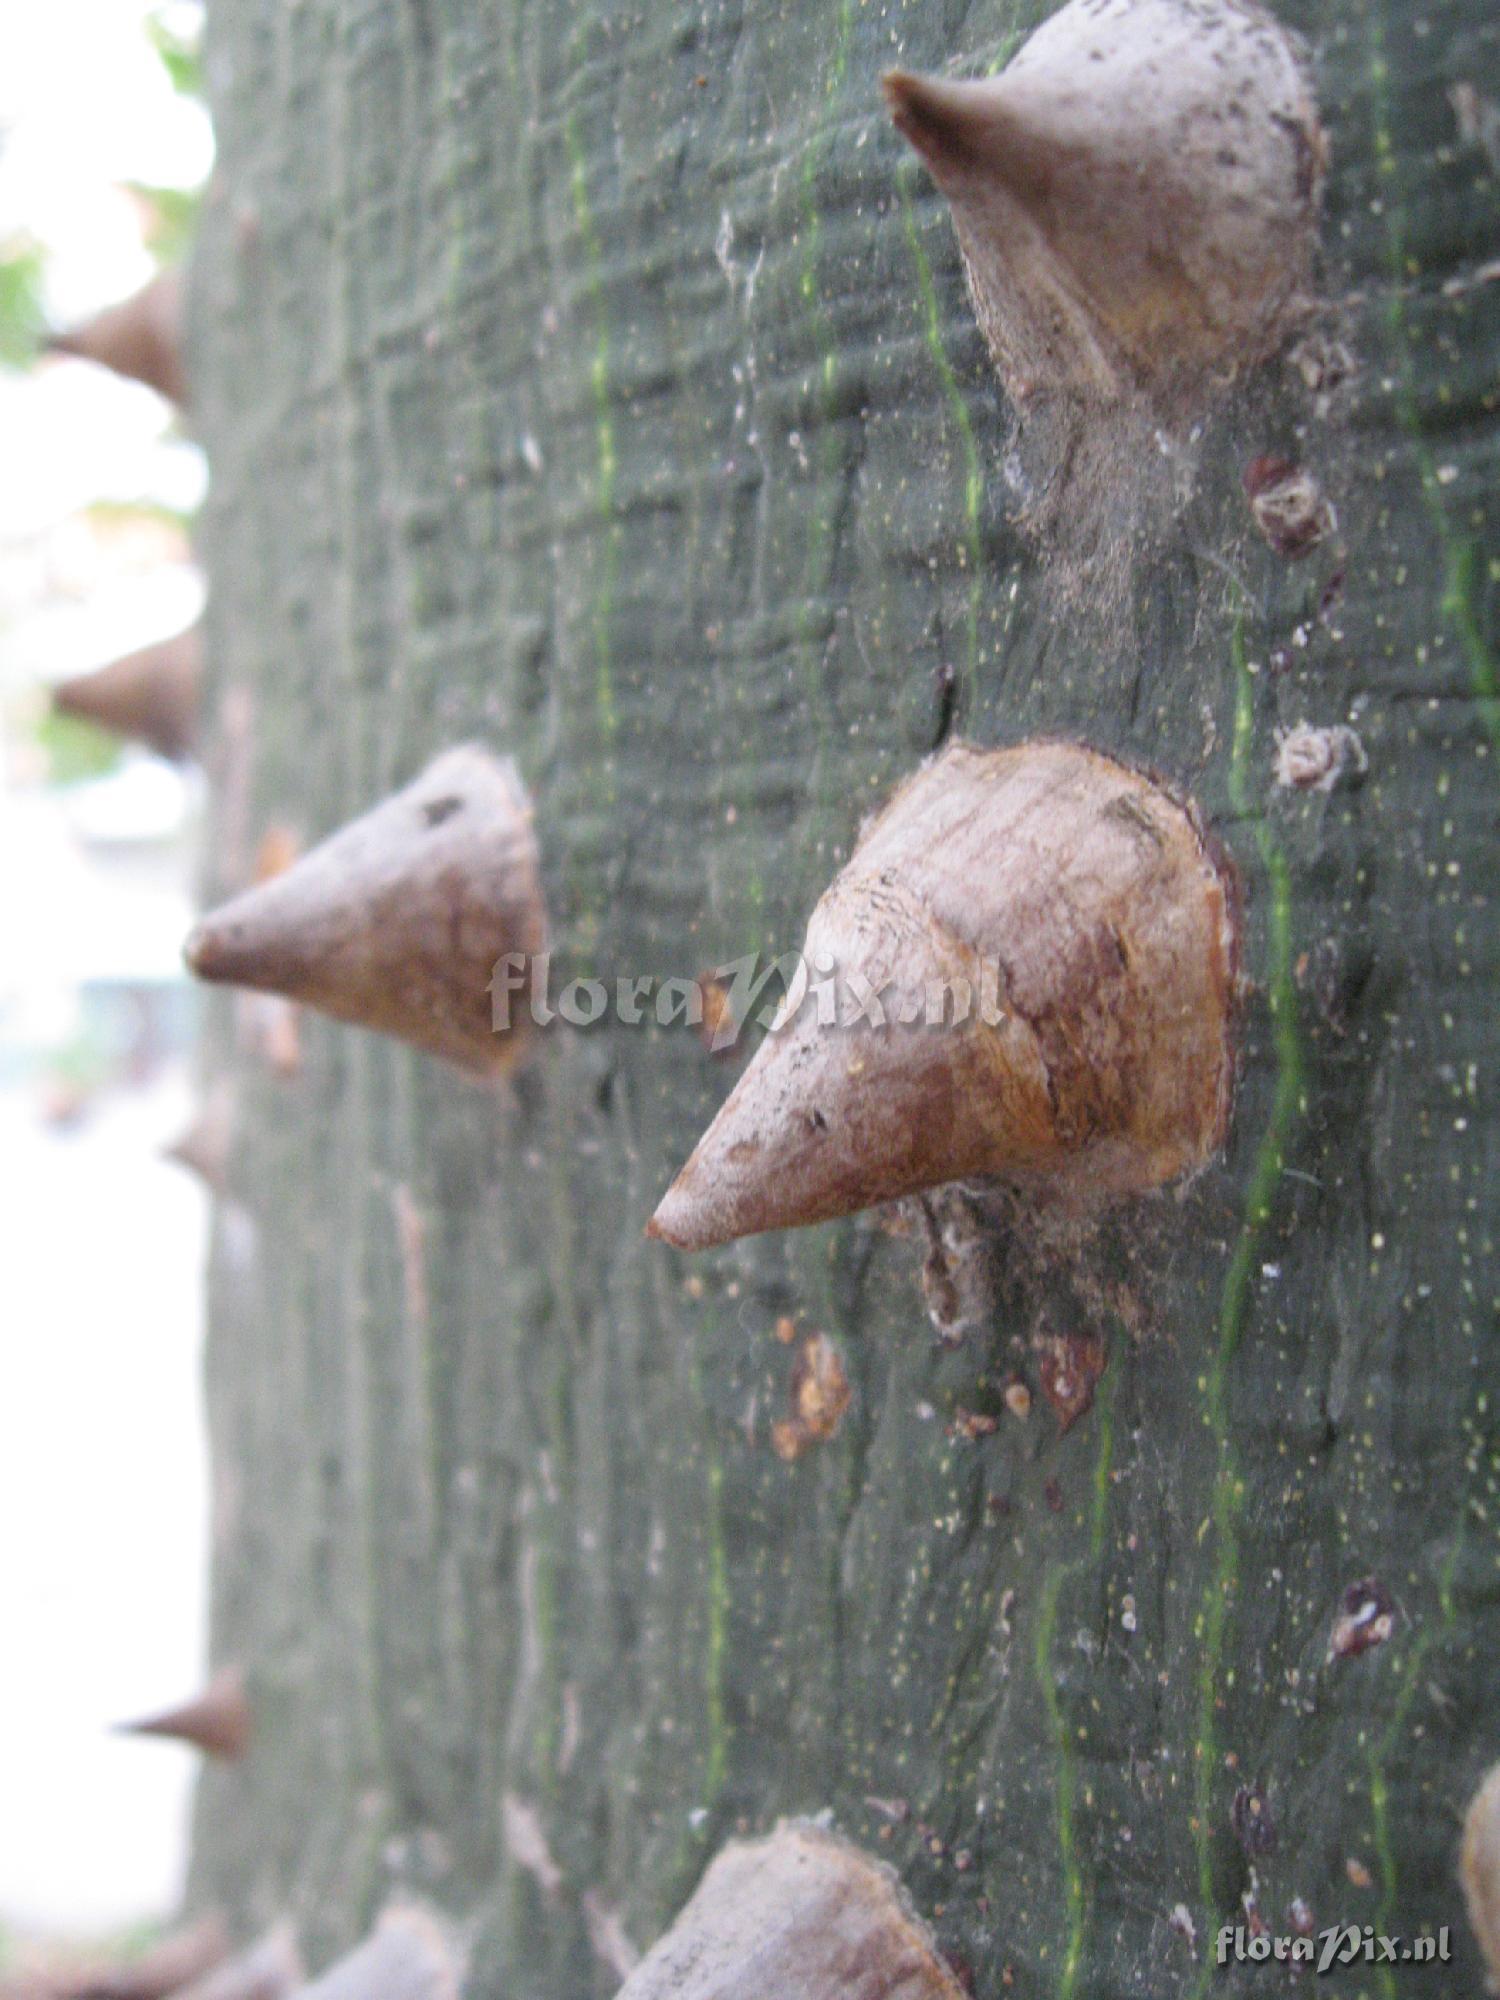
x,y
76,750
170,216
21,316
116,513
82,1066
179,52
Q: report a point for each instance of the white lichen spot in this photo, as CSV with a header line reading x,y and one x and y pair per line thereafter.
x,y
1316,760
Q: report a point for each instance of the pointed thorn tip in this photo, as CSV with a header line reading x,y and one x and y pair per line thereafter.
x,y
900,89
671,1224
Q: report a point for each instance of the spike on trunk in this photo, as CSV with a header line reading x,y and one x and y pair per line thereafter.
x,y
218,1722
1479,1868
205,1145
408,1956
177,1962
398,921
152,695
141,338
799,1916
1135,195
269,1970
1031,963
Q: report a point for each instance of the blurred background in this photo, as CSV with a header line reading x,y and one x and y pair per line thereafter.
x,y
104,146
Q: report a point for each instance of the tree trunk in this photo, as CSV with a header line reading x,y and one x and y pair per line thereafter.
x,y
601,385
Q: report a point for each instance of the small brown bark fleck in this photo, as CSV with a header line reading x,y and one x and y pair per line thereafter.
x,y
820,1395
972,1425
1070,1366
1290,507
1366,1618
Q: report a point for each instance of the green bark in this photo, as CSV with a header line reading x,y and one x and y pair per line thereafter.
x,y
601,384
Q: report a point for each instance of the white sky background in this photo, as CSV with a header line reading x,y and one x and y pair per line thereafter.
x,y
103,1508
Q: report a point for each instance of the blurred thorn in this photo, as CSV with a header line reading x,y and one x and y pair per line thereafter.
x,y
799,1915
180,1959
218,1721
141,338
151,695
400,920
270,1970
203,1148
408,1956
